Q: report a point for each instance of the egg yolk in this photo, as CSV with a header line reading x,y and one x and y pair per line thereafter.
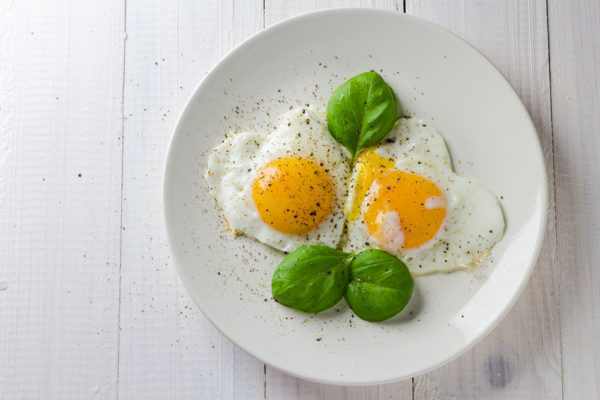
x,y
403,210
370,166
293,195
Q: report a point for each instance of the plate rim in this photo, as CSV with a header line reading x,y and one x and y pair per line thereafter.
x,y
541,229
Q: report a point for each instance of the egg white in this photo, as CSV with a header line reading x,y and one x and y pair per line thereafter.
x,y
234,164
474,221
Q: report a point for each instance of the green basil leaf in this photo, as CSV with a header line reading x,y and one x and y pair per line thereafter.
x,y
361,112
311,278
380,285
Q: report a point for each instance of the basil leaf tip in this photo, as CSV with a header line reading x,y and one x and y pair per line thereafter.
x,y
380,285
311,278
361,112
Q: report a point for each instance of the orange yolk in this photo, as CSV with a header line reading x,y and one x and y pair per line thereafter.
x,y
293,195
403,210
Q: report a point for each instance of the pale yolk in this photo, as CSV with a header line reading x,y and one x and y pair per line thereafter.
x,y
293,195
401,210
370,166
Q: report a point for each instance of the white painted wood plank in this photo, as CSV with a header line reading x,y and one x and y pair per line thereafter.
x,y
283,386
61,76
521,358
575,71
168,348
277,10
278,384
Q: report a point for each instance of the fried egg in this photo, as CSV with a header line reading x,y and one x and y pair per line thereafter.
x,y
285,188
405,198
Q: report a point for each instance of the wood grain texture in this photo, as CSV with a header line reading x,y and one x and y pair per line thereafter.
x,y
282,386
521,358
575,63
90,303
277,10
61,75
167,348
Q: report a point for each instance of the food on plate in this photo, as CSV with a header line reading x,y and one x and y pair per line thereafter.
x,y
404,209
285,188
312,279
405,198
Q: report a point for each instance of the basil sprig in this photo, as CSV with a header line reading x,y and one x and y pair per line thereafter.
x,y
361,112
312,279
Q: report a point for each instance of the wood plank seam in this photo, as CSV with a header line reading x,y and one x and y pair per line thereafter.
x,y
552,180
122,184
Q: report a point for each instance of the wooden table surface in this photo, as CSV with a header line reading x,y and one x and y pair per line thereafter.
x,y
91,306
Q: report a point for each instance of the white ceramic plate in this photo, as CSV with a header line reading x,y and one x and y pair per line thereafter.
x,y
439,78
